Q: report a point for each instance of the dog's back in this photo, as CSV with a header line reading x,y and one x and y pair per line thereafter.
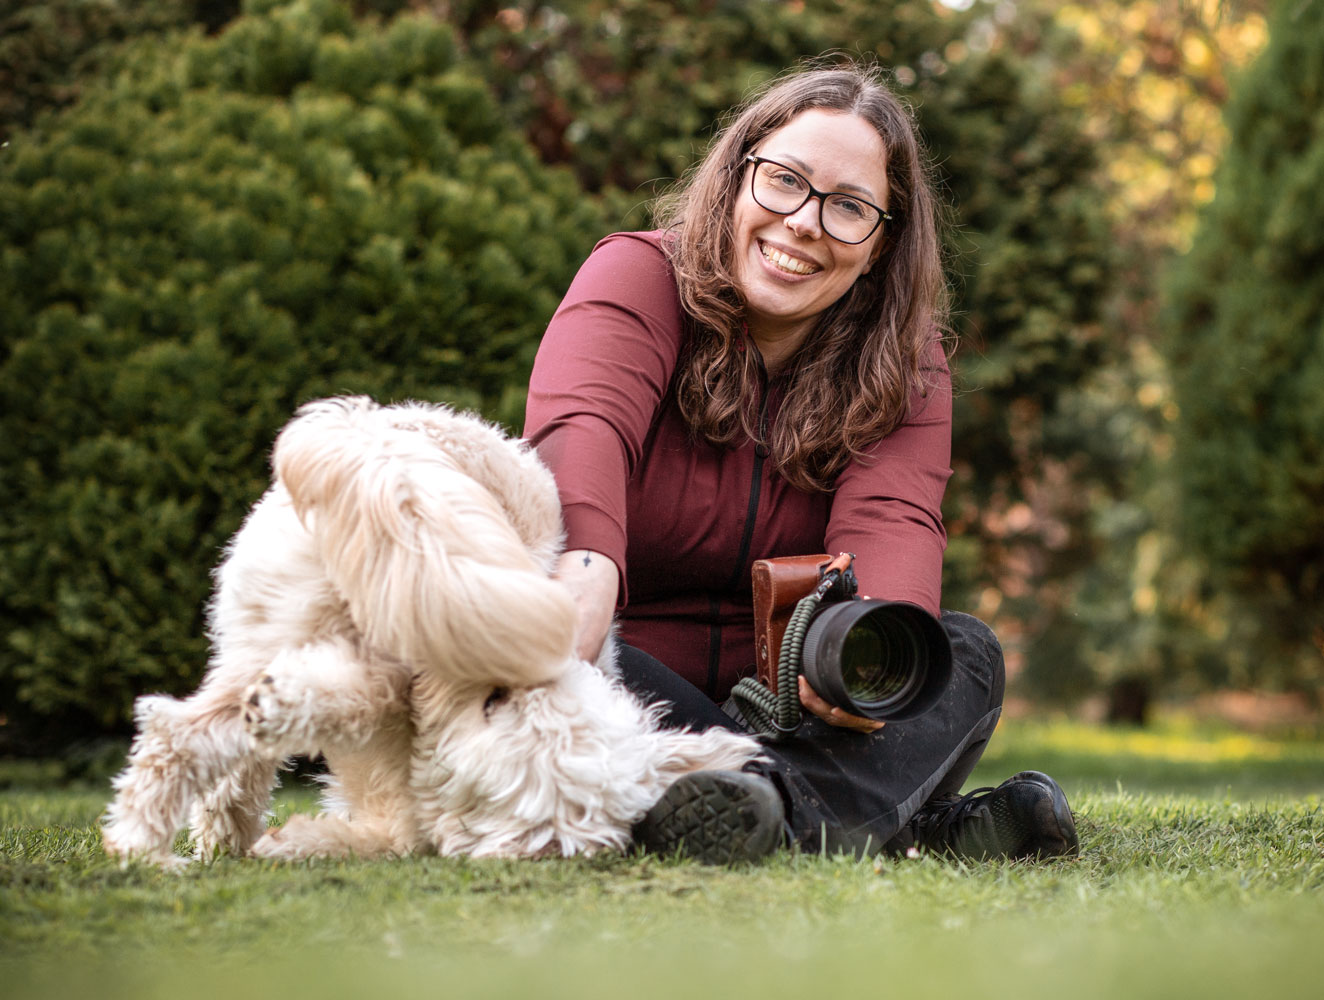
x,y
427,557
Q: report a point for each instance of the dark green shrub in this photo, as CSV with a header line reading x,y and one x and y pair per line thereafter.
x,y
302,206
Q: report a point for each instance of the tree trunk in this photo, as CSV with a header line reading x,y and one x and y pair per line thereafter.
x,y
1128,702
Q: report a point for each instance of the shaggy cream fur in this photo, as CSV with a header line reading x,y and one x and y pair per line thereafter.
x,y
389,604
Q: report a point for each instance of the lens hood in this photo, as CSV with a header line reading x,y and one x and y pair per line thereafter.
x,y
885,660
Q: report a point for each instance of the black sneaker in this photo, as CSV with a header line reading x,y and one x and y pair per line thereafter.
x,y
716,817
1026,816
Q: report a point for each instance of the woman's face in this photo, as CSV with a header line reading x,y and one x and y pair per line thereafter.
x,y
787,269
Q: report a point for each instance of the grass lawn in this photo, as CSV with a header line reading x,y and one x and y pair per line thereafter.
x,y
1202,874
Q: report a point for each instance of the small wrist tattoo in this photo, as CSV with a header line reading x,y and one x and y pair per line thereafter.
x,y
587,559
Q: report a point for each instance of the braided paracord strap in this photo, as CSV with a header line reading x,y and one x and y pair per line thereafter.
x,y
777,716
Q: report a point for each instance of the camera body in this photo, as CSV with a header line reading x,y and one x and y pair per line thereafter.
x,y
779,585
885,660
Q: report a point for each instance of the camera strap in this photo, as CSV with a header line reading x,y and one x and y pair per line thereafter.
x,y
777,716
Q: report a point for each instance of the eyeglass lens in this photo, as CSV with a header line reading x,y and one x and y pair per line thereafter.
x,y
783,190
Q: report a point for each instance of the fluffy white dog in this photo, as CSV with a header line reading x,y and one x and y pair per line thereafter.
x,y
388,603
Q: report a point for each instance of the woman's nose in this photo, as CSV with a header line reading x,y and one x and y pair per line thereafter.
x,y
806,220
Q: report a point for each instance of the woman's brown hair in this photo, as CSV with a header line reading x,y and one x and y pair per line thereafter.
x,y
854,378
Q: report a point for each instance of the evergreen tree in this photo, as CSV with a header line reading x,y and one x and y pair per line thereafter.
x,y
1246,345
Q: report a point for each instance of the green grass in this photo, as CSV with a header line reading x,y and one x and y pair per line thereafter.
x,y
1201,874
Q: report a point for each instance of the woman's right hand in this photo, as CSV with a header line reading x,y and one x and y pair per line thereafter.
x,y
593,581
832,715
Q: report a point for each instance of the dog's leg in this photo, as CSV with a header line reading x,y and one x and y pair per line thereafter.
x,y
326,836
233,816
371,809
182,751
322,695
330,697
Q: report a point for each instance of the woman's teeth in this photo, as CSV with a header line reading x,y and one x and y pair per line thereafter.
x,y
787,262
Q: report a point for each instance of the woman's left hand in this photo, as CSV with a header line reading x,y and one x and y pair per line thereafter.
x,y
833,716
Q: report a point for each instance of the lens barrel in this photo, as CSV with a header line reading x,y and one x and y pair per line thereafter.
x,y
884,660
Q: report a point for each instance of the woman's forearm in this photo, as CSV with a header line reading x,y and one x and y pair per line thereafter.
x,y
594,582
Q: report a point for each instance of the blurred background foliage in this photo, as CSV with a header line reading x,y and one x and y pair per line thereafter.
x,y
211,214
1245,340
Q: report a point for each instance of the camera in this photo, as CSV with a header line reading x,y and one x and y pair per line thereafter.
x,y
884,660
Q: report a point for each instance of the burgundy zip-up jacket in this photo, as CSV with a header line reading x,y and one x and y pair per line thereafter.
x,y
684,520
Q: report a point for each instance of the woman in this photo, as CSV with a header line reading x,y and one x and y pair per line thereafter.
x,y
765,377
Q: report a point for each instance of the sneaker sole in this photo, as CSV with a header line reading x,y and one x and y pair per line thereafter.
x,y
714,817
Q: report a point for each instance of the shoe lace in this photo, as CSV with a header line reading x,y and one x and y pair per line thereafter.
x,y
936,817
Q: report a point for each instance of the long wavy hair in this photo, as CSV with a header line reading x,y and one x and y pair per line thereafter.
x,y
855,377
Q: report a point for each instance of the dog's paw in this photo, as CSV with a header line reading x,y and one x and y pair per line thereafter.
x,y
269,715
300,837
272,847
222,839
160,857
170,862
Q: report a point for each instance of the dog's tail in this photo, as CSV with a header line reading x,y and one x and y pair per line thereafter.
x,y
424,556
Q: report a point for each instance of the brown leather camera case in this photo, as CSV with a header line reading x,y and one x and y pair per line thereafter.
x,y
778,586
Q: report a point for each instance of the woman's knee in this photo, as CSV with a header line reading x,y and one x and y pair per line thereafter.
x,y
686,707
977,651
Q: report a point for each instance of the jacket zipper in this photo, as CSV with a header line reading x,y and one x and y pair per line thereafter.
x,y
761,453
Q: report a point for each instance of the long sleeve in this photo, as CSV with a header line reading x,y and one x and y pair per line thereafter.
x,y
601,371
888,503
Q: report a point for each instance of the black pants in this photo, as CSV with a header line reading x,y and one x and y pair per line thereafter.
x,y
850,791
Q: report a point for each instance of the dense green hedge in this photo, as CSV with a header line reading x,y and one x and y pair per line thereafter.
x,y
49,49
303,205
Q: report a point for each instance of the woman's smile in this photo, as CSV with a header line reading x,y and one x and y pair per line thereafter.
x,y
786,261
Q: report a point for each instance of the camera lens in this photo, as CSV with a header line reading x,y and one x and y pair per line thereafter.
x,y
873,662
879,659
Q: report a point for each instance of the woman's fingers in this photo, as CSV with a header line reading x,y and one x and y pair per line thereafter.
x,y
833,716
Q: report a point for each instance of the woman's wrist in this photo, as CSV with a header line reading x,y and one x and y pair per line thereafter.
x,y
593,581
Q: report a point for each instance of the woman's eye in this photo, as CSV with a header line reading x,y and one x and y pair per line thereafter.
x,y
788,180
848,206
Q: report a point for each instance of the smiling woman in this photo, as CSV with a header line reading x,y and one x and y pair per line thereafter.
x,y
765,377
877,344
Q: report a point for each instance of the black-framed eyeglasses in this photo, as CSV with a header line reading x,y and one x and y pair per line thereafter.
x,y
783,190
